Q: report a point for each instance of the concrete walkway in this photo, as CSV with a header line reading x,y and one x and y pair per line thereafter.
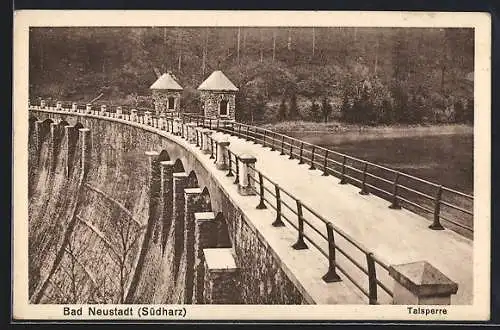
x,y
396,236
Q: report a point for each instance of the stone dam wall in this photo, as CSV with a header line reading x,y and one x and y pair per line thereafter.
x,y
120,214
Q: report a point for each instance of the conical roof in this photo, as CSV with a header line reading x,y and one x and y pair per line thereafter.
x,y
217,81
166,81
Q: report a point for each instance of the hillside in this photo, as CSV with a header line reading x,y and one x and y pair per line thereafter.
x,y
357,75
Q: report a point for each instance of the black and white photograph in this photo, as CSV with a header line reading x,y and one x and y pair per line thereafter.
x,y
330,167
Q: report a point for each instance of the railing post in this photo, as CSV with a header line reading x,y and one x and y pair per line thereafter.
x,y
278,222
325,172
436,225
230,163
301,160
239,131
272,141
342,176
364,190
248,138
211,148
300,244
282,145
331,275
312,167
264,138
210,123
255,138
261,205
237,176
291,150
197,132
372,279
395,202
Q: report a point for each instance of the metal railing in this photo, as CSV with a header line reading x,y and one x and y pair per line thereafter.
x,y
421,196
314,229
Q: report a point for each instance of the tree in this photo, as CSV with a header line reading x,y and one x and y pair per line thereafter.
x,y
326,109
293,111
315,113
282,110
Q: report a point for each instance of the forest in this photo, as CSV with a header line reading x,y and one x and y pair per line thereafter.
x,y
352,74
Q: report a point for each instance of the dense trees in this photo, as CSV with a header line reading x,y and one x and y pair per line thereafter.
x,y
364,75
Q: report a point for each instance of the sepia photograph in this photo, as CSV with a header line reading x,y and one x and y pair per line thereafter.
x,y
283,168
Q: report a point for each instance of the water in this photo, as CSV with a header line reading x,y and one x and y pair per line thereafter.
x,y
444,159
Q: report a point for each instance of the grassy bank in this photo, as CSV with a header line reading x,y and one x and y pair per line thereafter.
x,y
336,126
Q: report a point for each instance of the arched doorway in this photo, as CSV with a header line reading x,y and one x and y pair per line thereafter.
x,y
223,108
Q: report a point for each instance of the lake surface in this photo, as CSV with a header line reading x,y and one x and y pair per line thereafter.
x,y
445,159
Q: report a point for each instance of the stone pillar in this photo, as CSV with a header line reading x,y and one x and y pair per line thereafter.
x,y
119,112
246,165
205,237
205,141
166,195
191,132
42,104
222,162
177,126
88,108
59,105
74,107
179,184
161,121
133,115
102,112
420,283
222,277
192,198
147,117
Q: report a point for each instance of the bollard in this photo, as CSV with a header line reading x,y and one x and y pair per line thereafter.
x,y
119,112
222,150
133,115
205,146
103,110
331,275
176,126
420,283
191,132
161,122
246,174
300,244
147,117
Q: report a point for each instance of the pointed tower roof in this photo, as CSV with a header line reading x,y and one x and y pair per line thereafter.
x,y
166,81
217,81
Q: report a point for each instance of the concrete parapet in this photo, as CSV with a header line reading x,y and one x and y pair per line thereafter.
x,y
222,277
246,180
420,283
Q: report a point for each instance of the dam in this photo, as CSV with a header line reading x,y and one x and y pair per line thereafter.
x,y
132,208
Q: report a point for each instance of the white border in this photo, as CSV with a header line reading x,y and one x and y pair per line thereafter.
x,y
481,22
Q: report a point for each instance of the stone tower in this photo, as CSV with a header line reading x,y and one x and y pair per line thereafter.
x,y
218,96
166,94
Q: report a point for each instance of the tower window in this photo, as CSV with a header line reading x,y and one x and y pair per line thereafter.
x,y
171,103
223,108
